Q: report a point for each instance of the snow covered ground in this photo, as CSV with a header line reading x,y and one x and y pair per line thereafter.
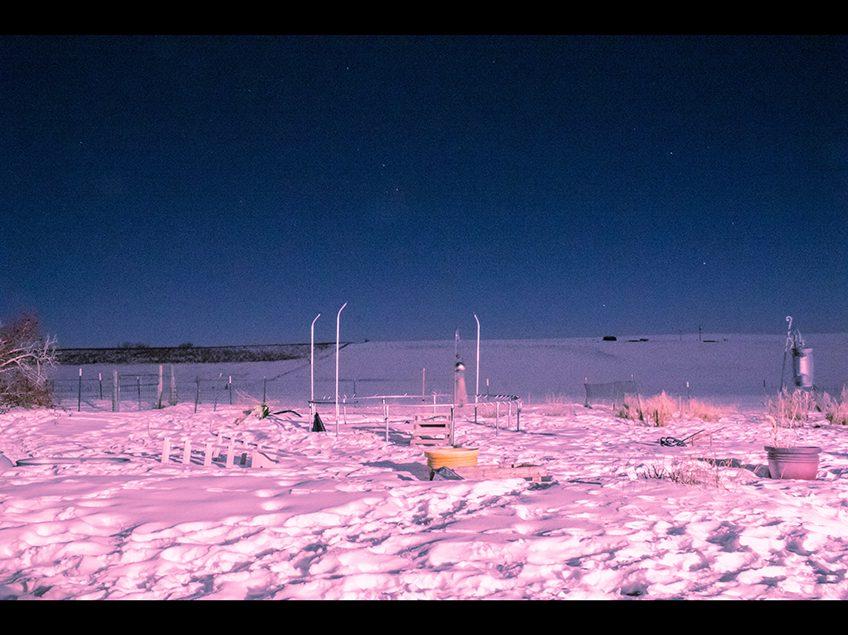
x,y
352,516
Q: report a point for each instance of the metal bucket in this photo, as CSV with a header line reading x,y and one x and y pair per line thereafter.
x,y
793,463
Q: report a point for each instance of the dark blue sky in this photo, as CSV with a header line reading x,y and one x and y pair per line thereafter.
x,y
224,190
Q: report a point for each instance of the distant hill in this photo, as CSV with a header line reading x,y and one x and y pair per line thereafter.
x,y
188,354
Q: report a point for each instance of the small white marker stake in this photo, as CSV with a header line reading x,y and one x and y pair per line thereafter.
x,y
187,452
166,451
207,457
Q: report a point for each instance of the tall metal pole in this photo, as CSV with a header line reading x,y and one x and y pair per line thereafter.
x,y
477,371
312,364
338,320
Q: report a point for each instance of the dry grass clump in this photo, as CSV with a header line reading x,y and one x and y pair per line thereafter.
x,y
705,411
790,409
655,411
836,409
787,411
684,472
556,405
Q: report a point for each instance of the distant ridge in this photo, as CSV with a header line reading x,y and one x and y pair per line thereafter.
x,y
188,354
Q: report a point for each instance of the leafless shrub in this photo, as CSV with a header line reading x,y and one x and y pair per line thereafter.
x,y
25,355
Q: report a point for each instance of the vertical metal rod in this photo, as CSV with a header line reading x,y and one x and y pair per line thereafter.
x,y
477,371
160,386
197,393
386,418
312,364
79,391
230,387
338,321
172,396
116,391
452,427
100,381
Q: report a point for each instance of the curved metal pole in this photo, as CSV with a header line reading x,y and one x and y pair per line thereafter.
x,y
312,364
338,320
477,371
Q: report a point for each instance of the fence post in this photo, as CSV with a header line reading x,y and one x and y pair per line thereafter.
x,y
160,387
197,394
172,398
116,391
230,387
386,419
100,382
79,391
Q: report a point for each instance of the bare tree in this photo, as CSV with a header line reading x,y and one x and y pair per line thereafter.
x,y
25,355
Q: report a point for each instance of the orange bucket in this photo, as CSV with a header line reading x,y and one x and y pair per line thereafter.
x,y
451,457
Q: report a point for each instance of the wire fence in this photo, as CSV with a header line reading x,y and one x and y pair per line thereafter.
x,y
137,391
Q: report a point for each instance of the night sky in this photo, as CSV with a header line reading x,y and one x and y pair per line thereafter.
x,y
224,190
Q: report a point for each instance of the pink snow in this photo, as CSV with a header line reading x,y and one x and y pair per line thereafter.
x,y
352,516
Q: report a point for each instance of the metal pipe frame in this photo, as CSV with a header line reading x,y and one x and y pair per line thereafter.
x,y
338,321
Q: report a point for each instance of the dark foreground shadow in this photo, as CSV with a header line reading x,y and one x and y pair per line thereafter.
x,y
418,470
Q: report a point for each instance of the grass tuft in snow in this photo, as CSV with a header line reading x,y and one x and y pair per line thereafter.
x,y
789,409
654,411
684,472
836,408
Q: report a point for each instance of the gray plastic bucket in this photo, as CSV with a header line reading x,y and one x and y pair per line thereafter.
x,y
793,463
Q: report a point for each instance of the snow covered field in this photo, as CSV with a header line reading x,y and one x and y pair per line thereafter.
x,y
355,517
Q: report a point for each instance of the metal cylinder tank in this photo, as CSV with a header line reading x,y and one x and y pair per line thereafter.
x,y
460,394
802,367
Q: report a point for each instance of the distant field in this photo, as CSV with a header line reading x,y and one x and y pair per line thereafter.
x,y
187,354
738,368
